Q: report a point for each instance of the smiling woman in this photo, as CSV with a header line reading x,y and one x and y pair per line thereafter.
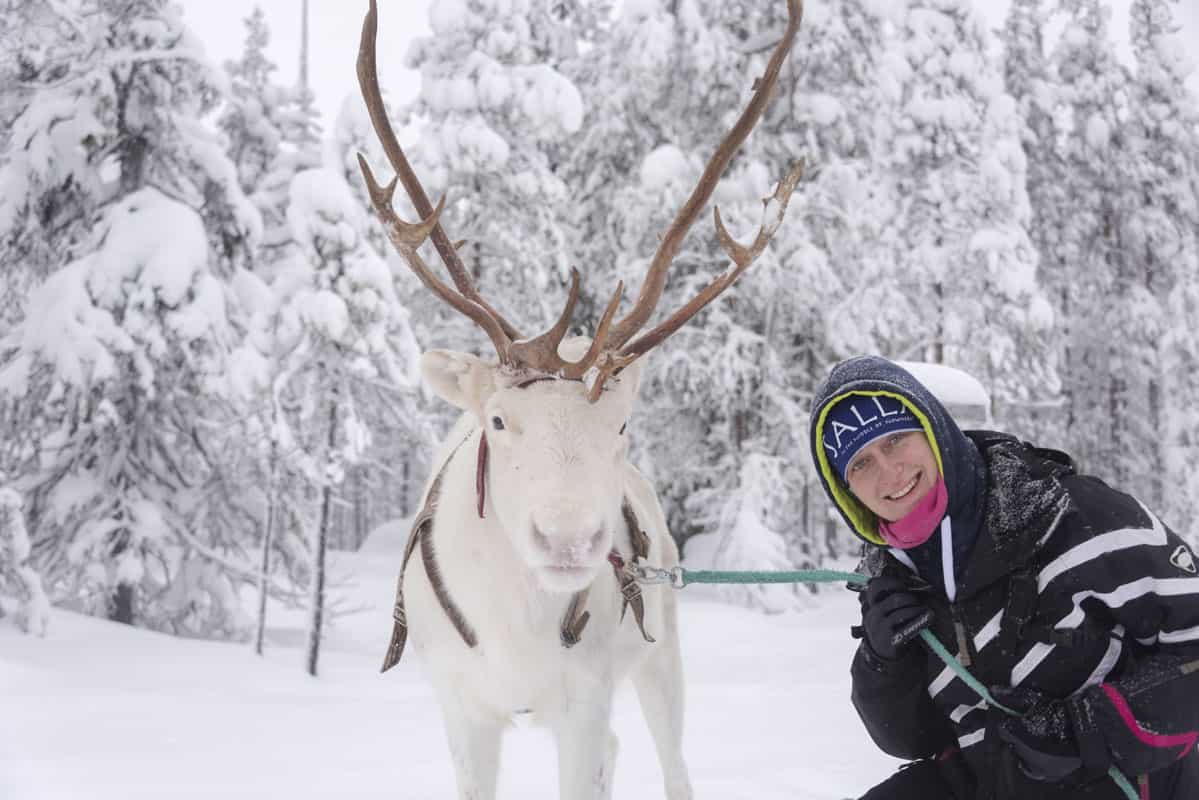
x,y
1069,597
892,474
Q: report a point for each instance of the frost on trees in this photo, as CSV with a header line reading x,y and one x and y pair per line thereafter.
x,y
350,359
271,133
1108,357
17,577
115,370
493,103
114,381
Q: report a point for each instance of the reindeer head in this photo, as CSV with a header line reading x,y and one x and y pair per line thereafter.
x,y
554,412
554,466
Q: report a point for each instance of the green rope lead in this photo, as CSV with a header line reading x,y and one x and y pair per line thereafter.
x,y
857,578
799,576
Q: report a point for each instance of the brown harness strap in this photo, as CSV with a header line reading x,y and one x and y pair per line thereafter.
x,y
421,533
630,590
575,618
481,473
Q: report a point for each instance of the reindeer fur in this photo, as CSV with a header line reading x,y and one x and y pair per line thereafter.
x,y
519,664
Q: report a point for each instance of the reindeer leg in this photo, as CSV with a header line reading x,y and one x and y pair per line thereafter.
x,y
659,683
586,748
474,748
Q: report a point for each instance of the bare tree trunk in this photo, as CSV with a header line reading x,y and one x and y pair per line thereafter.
x,y
405,484
1157,489
937,356
357,509
120,603
268,537
321,545
304,45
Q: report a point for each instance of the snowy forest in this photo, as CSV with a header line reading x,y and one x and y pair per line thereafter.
x,y
209,351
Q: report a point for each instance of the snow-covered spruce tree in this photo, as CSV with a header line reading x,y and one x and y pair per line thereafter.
x,y
783,337
661,87
112,383
624,80
1180,364
17,577
50,196
351,358
1163,238
1030,81
1110,356
661,90
940,85
388,489
492,100
828,249
350,134
272,135
998,319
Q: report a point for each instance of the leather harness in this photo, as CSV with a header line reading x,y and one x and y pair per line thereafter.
x,y
576,616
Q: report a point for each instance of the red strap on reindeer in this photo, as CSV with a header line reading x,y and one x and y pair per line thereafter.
x,y
481,473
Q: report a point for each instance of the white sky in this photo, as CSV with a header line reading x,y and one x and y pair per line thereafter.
x,y
335,26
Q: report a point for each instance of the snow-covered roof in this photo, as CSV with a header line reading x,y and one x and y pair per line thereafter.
x,y
950,385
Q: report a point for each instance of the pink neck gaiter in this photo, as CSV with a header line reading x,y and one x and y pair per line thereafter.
x,y
919,524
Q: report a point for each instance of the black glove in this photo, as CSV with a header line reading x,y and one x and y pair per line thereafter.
x,y
1049,740
892,616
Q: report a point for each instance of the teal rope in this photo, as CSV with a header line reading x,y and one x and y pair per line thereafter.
x,y
857,578
798,576
1125,785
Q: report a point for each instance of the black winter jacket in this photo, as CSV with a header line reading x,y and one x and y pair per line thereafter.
x,y
1071,586
1060,583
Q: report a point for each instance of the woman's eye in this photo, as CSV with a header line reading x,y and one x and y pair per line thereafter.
x,y
497,424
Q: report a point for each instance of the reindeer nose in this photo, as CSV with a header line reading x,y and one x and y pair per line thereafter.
x,y
568,547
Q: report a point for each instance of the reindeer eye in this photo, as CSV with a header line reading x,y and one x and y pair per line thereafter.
x,y
497,424
622,427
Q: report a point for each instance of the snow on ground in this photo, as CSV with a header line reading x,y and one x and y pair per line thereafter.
x,y
100,711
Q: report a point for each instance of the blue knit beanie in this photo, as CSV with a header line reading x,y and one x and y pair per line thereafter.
x,y
856,420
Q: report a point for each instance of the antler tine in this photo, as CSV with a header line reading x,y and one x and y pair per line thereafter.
x,y
541,353
578,369
407,239
368,81
655,279
742,257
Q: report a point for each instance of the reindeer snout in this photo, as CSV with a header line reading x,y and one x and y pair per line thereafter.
x,y
569,548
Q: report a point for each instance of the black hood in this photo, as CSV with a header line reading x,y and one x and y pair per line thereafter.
x,y
961,465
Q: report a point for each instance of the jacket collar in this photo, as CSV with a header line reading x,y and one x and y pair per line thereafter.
x,y
1024,502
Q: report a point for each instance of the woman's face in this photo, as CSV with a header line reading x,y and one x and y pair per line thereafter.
x,y
893,473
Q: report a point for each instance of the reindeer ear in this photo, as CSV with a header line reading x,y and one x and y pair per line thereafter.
x,y
460,379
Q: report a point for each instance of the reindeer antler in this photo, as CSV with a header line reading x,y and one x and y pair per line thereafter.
x,y
368,81
610,349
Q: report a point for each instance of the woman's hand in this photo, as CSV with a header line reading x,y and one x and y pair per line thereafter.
x,y
892,616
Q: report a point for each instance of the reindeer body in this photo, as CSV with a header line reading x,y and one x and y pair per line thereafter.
x,y
519,664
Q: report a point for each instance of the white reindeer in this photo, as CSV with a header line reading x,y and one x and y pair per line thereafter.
x,y
534,523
